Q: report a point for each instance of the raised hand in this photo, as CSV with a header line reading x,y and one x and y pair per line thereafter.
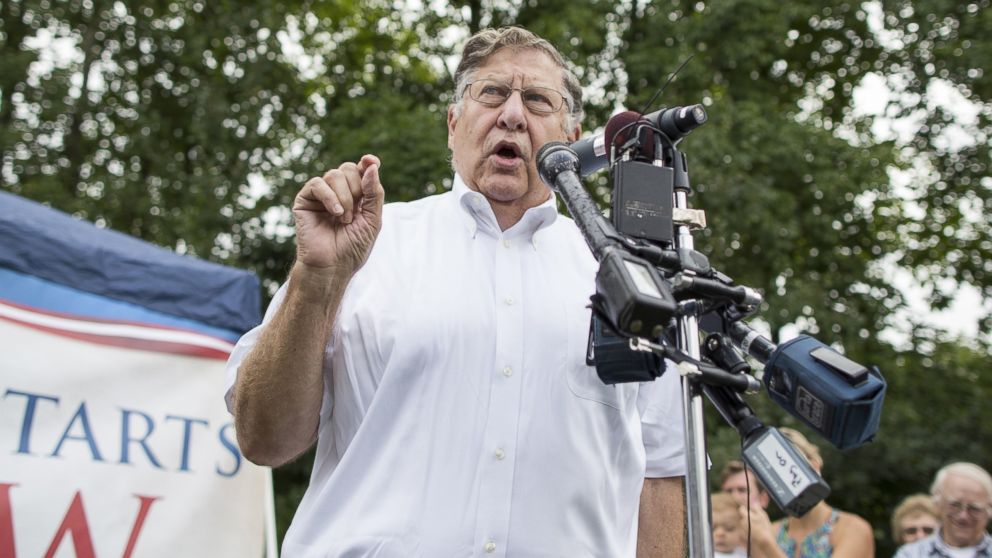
x,y
339,215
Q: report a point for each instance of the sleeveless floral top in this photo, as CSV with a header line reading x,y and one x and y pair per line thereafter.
x,y
815,545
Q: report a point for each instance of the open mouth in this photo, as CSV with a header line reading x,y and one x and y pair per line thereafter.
x,y
507,153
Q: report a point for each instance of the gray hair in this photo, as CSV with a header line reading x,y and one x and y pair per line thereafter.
x,y
962,469
485,43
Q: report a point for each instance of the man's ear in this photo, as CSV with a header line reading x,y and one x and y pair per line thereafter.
x,y
452,120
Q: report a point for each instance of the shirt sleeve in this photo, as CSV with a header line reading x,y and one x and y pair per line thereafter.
x,y
660,403
245,345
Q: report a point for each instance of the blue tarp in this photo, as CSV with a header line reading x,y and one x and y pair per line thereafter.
x,y
46,254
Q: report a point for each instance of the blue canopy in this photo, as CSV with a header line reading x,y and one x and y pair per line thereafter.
x,y
48,257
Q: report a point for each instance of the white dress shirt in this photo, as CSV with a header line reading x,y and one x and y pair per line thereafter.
x,y
459,417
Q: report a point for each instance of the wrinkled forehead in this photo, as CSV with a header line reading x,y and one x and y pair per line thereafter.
x,y
961,487
522,66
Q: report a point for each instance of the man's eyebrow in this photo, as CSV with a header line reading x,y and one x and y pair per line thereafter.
x,y
509,79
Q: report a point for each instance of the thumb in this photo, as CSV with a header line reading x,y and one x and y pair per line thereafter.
x,y
366,161
373,193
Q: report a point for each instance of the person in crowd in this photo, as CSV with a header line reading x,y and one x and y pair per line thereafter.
x,y
435,353
915,518
740,482
822,532
962,493
729,537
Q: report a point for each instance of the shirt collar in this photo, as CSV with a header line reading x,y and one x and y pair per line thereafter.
x,y
940,548
477,214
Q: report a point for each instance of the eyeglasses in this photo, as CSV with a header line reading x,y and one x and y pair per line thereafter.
x,y
914,529
540,100
974,510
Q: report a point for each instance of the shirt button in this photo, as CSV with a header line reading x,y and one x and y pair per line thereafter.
x,y
508,301
507,371
507,243
500,454
490,546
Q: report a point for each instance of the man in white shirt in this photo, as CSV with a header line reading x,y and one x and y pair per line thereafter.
x,y
963,495
434,351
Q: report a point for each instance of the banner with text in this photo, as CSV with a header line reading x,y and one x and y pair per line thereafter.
x,y
114,438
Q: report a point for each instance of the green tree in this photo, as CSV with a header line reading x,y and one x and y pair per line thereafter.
x,y
150,124
938,52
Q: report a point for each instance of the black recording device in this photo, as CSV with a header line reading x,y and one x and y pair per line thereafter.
x,y
642,200
614,360
791,481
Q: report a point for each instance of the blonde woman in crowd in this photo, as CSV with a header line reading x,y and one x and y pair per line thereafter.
x,y
915,518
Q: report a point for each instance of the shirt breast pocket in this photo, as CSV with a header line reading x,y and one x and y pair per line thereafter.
x,y
583,381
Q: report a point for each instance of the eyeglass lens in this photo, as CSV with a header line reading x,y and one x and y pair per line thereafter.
x,y
913,530
536,99
972,509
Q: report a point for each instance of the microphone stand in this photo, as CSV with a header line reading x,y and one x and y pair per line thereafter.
x,y
634,295
697,494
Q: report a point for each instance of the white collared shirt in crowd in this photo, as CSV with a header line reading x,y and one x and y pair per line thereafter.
x,y
935,547
459,417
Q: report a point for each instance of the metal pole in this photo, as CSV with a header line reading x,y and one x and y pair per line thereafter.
x,y
697,496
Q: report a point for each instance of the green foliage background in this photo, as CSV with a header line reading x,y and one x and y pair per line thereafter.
x,y
192,124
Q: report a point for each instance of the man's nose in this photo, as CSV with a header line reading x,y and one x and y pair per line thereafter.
x,y
513,113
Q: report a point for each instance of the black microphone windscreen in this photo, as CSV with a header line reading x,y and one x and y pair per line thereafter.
x,y
621,128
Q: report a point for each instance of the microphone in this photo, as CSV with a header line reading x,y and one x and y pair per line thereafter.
x,y
677,122
837,397
558,165
594,151
674,122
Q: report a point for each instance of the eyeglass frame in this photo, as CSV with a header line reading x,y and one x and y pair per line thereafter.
x,y
912,529
973,510
565,97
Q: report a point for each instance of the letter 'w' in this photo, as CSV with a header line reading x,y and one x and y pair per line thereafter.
x,y
73,524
